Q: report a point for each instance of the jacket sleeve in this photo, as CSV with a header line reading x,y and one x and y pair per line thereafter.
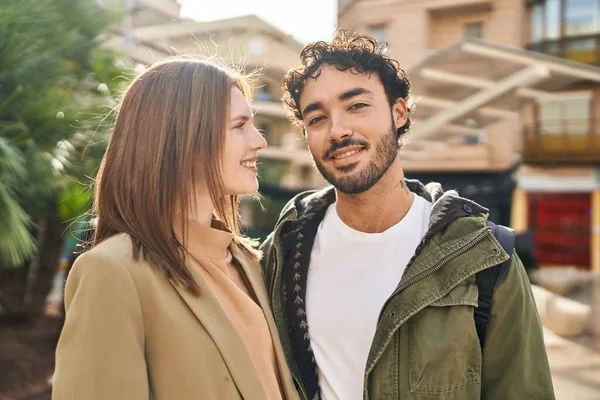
x,y
265,262
515,363
100,353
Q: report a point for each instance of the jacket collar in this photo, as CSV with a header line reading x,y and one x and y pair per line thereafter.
x,y
447,206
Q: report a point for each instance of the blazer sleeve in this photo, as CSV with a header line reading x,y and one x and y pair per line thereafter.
x,y
100,353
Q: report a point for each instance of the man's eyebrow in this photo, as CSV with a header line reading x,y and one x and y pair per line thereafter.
x,y
353,93
312,107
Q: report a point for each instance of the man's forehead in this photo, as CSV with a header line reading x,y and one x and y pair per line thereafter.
x,y
330,71
330,81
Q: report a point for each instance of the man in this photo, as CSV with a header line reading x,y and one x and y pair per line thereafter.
x,y
373,281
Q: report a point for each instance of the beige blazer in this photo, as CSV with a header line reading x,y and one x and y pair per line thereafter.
x,y
131,334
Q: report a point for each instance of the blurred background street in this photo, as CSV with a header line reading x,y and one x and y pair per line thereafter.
x,y
506,104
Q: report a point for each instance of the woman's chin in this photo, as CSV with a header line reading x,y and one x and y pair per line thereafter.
x,y
246,188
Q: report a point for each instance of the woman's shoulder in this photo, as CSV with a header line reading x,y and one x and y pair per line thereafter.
x,y
114,254
117,248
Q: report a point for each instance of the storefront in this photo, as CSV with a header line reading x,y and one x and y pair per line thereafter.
x,y
560,208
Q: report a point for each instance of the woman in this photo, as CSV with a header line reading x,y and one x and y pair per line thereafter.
x,y
169,303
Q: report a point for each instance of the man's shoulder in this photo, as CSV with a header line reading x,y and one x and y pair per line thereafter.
x,y
296,200
309,200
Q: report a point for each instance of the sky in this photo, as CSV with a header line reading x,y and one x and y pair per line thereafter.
x,y
305,20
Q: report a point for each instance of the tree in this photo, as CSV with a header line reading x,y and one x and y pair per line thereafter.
x,y
54,80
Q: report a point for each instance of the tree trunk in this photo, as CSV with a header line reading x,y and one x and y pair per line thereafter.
x,y
49,255
34,265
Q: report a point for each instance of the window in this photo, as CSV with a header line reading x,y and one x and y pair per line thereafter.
x,y
566,28
569,114
582,17
378,32
474,30
257,47
560,222
583,51
537,22
552,20
576,112
549,112
264,93
552,49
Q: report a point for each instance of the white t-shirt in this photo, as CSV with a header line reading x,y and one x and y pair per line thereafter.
x,y
351,276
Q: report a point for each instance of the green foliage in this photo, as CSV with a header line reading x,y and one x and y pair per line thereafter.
x,y
51,70
15,243
272,170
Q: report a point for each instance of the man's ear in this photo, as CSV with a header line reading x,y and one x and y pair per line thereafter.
x,y
400,114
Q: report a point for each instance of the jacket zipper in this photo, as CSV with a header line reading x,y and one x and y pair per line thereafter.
x,y
433,269
277,251
428,272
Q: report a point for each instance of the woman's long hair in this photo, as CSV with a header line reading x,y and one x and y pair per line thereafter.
x,y
169,134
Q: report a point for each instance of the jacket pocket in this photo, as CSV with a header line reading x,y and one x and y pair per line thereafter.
x,y
443,345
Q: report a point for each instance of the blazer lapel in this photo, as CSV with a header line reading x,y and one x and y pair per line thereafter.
x,y
257,285
213,318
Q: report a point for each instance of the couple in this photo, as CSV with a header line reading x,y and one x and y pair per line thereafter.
x,y
367,289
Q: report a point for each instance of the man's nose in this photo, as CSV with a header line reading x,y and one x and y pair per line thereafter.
x,y
339,129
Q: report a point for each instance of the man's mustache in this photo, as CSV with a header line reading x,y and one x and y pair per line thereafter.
x,y
348,142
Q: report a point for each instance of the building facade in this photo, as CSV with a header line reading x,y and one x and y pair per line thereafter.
x,y
507,103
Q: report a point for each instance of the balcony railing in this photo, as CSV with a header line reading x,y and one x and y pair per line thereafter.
x,y
564,141
582,48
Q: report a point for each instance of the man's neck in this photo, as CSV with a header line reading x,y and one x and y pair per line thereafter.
x,y
380,207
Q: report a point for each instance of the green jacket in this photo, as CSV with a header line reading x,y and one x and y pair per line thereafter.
x,y
425,345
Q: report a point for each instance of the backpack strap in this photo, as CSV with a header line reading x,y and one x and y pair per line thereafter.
x,y
488,279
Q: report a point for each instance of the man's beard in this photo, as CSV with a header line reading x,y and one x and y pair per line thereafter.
x,y
386,151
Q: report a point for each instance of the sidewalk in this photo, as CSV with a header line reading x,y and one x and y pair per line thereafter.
x,y
575,369
575,363
27,359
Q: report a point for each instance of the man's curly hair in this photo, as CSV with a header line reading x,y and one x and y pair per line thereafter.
x,y
347,51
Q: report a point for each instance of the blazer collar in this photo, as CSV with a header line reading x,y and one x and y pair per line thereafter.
x,y
213,318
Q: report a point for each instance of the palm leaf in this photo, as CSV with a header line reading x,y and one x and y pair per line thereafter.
x,y
16,243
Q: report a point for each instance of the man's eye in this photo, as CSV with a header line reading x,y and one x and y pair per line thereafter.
x,y
315,120
358,106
